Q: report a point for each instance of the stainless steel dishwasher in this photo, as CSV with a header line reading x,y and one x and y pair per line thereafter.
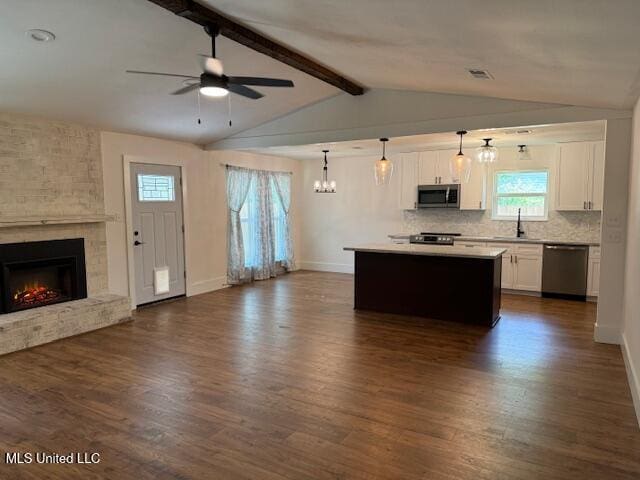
x,y
564,271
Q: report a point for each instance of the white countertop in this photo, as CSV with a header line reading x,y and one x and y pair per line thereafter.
x,y
429,250
479,238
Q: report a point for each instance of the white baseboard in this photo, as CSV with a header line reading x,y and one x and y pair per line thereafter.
x,y
204,286
606,334
632,375
327,267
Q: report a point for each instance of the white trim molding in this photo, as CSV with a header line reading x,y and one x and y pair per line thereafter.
x,y
632,375
607,334
326,267
204,286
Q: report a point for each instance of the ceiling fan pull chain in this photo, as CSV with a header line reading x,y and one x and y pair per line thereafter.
x,y
199,121
229,110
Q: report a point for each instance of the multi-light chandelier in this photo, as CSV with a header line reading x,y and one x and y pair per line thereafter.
x,y
324,185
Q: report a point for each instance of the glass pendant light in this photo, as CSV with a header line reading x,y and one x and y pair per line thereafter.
x,y
523,153
487,153
324,185
383,168
460,164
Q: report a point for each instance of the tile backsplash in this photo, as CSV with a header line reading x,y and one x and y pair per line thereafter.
x,y
561,226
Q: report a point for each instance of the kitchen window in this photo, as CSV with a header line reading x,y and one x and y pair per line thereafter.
x,y
526,190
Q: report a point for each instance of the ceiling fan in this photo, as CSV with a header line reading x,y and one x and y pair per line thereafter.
x,y
214,83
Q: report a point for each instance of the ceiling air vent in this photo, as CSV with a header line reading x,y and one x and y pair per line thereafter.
x,y
480,74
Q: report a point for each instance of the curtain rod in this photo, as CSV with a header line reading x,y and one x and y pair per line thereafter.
x,y
227,165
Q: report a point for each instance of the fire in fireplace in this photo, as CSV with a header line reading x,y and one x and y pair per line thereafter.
x,y
32,295
34,274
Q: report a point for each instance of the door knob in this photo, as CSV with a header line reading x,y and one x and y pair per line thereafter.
x,y
136,243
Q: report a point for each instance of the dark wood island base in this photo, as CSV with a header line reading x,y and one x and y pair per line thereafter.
x,y
461,288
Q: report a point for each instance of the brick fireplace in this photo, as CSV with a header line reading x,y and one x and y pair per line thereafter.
x,y
53,253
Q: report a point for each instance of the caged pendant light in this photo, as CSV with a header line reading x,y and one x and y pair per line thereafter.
x,y
383,168
324,185
487,153
460,164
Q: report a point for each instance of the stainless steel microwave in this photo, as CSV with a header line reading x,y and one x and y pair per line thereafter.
x,y
439,196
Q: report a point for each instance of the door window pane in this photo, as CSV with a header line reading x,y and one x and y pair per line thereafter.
x,y
156,188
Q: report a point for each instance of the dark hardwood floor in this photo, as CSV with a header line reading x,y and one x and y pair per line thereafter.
x,y
283,380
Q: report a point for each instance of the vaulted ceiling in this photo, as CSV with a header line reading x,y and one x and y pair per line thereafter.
x,y
582,52
81,76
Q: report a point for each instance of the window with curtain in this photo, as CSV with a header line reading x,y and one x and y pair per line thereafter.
x,y
521,189
249,217
259,244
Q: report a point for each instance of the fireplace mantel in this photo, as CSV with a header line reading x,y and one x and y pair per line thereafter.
x,y
26,221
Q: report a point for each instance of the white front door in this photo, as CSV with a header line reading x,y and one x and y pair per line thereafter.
x,y
158,232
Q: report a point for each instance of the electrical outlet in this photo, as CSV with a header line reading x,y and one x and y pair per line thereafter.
x,y
613,236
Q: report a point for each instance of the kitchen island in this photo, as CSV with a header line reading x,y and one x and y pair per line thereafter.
x,y
435,281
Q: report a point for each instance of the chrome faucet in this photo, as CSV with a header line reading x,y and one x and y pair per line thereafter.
x,y
519,231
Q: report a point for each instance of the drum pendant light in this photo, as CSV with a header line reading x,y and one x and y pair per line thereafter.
x,y
460,164
383,168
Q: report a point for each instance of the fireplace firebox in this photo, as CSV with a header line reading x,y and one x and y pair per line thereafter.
x,y
35,274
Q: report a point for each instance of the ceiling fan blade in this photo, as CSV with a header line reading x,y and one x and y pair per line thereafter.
x,y
187,89
162,74
244,91
210,65
261,81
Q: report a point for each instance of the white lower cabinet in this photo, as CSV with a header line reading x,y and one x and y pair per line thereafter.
x,y
521,266
593,275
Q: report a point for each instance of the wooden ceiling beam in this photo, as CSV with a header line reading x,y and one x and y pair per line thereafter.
x,y
204,16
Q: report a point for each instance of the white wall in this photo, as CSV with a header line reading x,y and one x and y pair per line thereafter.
x,y
608,328
631,329
362,212
359,212
205,213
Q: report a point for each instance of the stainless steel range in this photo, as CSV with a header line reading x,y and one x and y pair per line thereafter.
x,y
434,238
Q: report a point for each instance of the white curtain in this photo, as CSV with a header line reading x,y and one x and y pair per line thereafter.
x,y
238,184
282,187
259,242
264,261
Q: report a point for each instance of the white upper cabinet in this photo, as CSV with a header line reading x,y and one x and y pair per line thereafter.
x,y
572,176
473,194
580,176
428,168
434,167
408,180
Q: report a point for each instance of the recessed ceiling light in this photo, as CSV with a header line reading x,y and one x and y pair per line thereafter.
x,y
40,35
480,74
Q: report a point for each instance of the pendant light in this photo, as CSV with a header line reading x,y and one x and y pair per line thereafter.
x,y
523,153
487,153
324,185
460,164
383,168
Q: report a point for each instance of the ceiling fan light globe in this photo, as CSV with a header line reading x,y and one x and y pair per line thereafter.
x,y
210,91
